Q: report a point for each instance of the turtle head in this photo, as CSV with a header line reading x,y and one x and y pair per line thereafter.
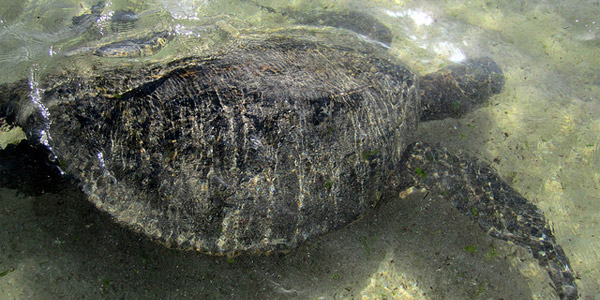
x,y
459,89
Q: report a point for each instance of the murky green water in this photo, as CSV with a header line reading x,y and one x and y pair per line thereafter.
x,y
540,134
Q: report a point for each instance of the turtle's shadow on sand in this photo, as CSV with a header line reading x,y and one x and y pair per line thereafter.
x,y
59,245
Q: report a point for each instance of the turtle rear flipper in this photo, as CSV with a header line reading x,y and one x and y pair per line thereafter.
x,y
358,22
11,98
147,45
502,212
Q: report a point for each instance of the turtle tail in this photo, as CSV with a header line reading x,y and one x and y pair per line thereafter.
x,y
502,212
459,89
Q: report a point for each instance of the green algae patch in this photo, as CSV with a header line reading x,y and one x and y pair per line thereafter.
x,y
6,272
368,155
421,173
470,249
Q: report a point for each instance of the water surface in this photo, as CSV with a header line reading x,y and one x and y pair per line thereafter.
x,y
540,134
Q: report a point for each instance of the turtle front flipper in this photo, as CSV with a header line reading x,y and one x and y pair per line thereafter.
x,y
459,89
502,212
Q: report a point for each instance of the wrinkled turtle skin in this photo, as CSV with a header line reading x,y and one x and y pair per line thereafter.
x,y
277,138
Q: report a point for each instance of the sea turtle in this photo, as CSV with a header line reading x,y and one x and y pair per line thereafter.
x,y
276,138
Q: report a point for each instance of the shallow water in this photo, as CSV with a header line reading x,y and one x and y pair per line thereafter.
x,y
540,134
